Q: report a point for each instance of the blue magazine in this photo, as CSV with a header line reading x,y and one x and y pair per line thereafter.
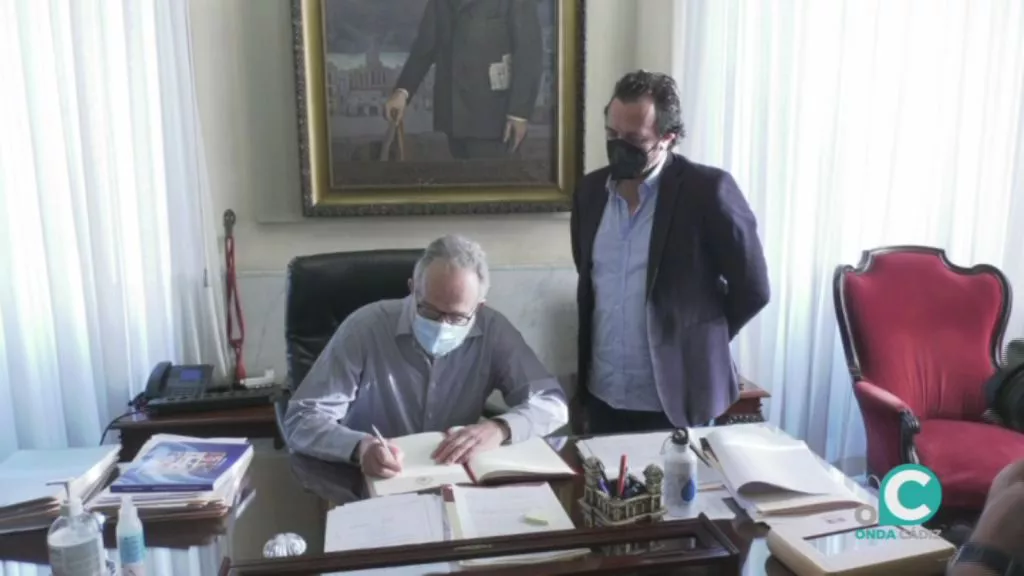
x,y
180,466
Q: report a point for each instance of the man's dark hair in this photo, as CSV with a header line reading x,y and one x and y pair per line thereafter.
x,y
668,115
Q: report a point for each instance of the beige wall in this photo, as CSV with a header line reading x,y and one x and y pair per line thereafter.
x,y
245,88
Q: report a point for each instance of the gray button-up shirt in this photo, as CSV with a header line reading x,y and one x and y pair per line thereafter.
x,y
373,373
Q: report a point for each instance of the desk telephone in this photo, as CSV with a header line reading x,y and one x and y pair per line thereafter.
x,y
173,389
170,380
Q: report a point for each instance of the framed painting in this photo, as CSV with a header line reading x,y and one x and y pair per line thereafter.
x,y
439,106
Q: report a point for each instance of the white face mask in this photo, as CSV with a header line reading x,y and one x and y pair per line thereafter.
x,y
437,338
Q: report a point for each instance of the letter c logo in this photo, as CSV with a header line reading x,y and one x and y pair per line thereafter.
x,y
910,495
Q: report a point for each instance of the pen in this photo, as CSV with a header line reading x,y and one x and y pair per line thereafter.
x,y
700,456
623,472
706,447
380,438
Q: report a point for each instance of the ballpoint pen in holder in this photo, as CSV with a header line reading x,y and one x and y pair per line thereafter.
x,y
621,501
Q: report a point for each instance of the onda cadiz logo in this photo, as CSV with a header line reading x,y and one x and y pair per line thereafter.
x,y
909,496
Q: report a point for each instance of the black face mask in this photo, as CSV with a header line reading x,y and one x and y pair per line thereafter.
x,y
627,161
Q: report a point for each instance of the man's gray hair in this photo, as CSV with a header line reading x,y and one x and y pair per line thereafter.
x,y
457,251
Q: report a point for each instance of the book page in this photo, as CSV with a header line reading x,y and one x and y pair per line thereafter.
x,y
419,471
391,521
760,460
530,457
503,511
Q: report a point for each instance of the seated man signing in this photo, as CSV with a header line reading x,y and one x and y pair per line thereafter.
x,y
420,364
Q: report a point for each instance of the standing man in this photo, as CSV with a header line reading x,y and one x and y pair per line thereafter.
x,y
670,269
488,62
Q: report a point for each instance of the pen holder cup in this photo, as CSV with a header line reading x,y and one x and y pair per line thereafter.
x,y
602,509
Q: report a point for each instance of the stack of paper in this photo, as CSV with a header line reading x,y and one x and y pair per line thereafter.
x,y
769,472
27,502
180,477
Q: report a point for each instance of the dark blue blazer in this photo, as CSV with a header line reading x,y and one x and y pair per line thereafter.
x,y
706,278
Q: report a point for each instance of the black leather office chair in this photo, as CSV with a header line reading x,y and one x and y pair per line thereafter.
x,y
323,290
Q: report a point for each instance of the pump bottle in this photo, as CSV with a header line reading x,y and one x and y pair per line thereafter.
x,y
75,540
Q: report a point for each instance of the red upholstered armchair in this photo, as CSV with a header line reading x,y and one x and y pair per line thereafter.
x,y
921,337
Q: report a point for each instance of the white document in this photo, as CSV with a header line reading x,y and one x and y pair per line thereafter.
x,y
533,457
530,457
419,471
390,521
755,461
500,74
489,512
769,472
642,450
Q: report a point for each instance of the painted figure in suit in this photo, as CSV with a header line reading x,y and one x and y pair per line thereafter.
x,y
670,269
487,56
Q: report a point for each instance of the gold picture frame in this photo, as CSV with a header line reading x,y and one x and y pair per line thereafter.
x,y
347,140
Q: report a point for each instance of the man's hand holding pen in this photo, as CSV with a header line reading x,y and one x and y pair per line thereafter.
x,y
378,458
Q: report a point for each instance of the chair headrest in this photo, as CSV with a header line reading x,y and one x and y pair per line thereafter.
x,y
324,289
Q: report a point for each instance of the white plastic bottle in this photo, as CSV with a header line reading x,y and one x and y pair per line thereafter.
x,y
131,545
680,488
75,541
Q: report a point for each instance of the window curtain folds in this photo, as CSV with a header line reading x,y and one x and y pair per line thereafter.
x,y
853,124
107,242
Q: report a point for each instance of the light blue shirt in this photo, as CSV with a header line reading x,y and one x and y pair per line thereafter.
x,y
623,373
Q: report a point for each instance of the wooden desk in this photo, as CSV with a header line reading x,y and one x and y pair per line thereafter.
x,y
338,482
252,422
285,489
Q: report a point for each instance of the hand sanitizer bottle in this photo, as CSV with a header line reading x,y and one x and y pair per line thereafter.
x,y
75,541
680,471
131,546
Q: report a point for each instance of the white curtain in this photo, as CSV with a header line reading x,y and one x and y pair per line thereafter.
x,y
851,125
108,248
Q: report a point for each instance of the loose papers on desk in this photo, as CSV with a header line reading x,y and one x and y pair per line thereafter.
x,y
167,497
769,472
421,518
28,503
506,511
388,521
642,450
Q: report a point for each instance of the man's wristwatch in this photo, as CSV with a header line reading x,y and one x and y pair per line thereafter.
x,y
997,562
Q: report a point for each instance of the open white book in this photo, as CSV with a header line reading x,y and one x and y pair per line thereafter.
x,y
531,458
769,472
507,511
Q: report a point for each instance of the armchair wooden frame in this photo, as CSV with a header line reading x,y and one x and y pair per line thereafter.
x,y
910,426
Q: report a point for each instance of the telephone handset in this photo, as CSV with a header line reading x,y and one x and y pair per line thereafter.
x,y
169,380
